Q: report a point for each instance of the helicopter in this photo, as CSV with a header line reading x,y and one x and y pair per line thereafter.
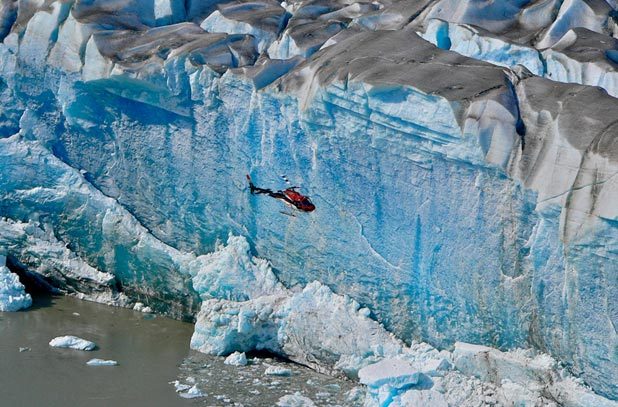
x,y
290,196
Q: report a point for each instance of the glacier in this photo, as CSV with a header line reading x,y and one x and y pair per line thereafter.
x,y
462,157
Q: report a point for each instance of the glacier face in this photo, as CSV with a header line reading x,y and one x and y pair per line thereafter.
x,y
457,200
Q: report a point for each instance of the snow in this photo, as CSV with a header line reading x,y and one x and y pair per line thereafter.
x,y
101,362
236,359
13,296
72,342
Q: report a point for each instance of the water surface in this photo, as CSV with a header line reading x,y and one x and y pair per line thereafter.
x,y
151,352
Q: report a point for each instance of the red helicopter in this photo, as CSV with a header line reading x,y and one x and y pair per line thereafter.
x,y
289,196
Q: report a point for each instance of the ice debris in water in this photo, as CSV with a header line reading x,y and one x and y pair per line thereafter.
x,y
180,386
140,307
72,342
192,393
13,296
295,400
278,371
236,359
101,362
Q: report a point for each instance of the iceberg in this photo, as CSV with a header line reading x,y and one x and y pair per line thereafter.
x,y
72,342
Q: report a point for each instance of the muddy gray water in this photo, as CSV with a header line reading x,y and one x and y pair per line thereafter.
x,y
151,352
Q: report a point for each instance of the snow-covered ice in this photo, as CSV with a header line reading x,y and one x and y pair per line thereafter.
x,y
72,342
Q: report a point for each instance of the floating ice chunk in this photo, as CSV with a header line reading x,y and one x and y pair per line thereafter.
x,y
236,359
180,386
13,296
295,400
72,342
192,393
278,371
101,362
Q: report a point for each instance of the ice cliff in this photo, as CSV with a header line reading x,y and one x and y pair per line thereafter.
x,y
462,156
